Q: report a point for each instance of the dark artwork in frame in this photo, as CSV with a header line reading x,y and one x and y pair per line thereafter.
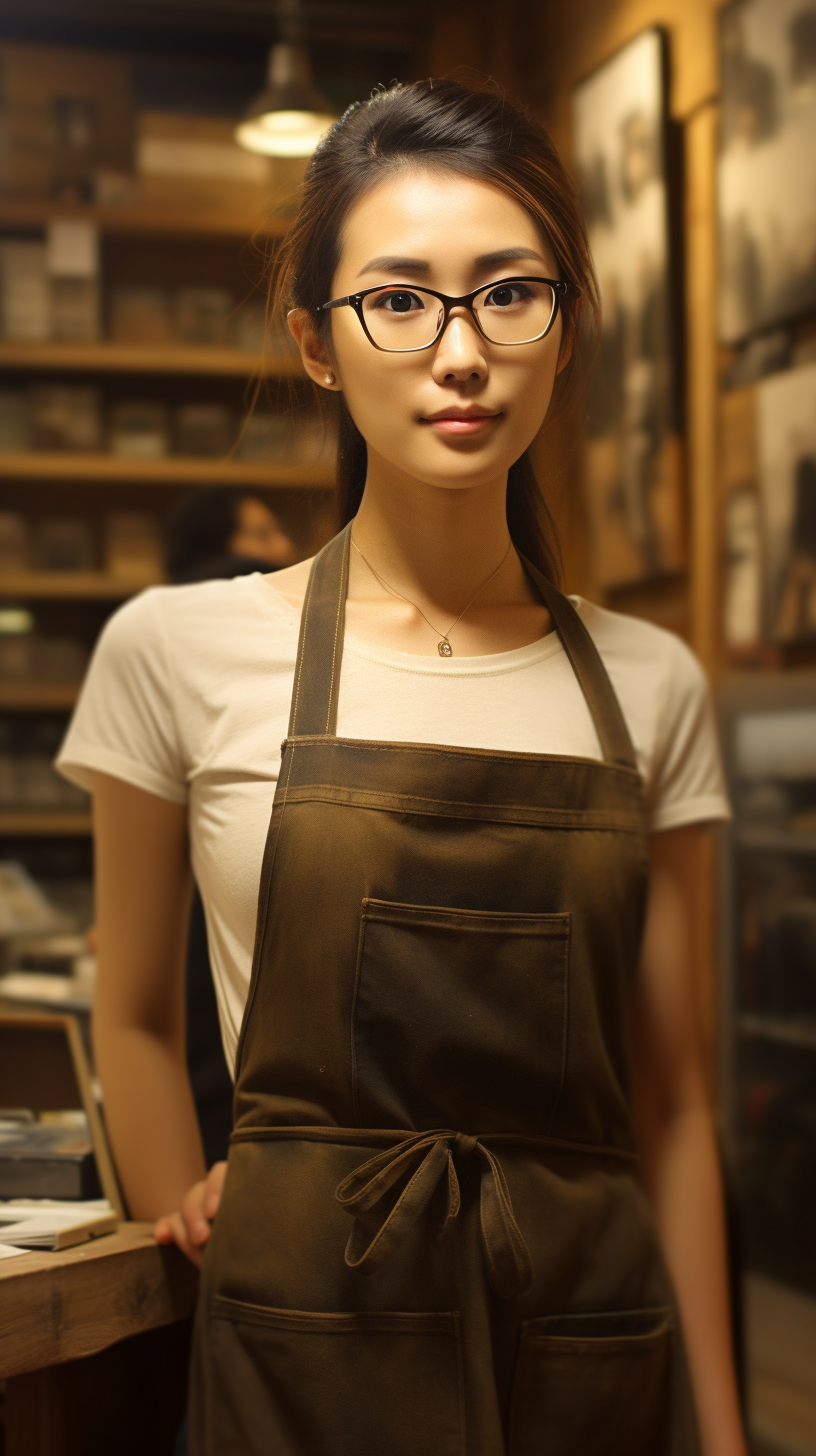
x,y
627,166
786,418
767,165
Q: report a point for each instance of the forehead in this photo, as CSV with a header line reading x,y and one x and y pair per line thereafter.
x,y
435,216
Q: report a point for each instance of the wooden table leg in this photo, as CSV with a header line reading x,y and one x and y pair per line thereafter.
x,y
128,1399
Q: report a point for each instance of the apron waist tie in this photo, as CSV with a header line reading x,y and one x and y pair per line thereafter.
x,y
376,1232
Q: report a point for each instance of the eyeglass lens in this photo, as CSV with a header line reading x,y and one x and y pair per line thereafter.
x,y
399,319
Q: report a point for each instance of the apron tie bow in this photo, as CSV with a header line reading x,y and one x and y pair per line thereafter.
x,y
427,1159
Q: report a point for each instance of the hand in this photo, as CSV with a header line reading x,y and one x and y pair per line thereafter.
x,y
191,1225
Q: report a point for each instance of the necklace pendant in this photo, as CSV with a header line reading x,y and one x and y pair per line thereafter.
x,y
444,648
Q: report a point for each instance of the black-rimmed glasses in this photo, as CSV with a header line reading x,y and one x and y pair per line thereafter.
x,y
401,319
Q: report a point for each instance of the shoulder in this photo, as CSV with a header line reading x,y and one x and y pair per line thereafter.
x,y
165,618
639,645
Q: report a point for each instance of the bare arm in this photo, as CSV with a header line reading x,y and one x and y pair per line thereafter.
x,y
143,886
676,1134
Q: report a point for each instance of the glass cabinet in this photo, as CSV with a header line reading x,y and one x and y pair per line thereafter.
x,y
768,1040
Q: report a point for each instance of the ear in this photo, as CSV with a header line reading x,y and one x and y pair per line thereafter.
x,y
569,332
317,360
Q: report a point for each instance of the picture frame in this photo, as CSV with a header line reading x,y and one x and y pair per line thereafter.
x,y
786,427
627,167
766,175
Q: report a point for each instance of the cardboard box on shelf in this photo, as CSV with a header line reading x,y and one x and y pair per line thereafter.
x,y
14,541
133,550
204,429
194,162
139,429
72,261
15,433
25,305
66,115
201,315
63,545
140,316
65,417
265,437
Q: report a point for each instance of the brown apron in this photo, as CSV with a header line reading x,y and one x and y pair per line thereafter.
x,y
433,1239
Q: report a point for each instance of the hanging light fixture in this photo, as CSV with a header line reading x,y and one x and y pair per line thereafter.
x,y
289,117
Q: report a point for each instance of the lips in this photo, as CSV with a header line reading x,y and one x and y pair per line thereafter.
x,y
461,420
464,414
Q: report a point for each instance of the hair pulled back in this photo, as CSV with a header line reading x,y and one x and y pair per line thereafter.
x,y
469,132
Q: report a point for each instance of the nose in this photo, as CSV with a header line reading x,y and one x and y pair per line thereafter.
x,y
459,354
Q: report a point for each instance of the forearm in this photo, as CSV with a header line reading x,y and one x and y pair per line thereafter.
x,y
150,1116
685,1183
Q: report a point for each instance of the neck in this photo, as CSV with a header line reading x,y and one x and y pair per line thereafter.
x,y
437,543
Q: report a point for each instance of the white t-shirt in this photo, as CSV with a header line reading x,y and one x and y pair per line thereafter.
x,y
188,697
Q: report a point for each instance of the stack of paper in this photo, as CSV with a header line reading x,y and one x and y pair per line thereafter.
x,y
42,1223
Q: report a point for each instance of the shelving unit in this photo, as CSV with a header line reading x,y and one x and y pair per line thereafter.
x,y
140,246
36,586
32,823
175,470
28,697
134,219
113,358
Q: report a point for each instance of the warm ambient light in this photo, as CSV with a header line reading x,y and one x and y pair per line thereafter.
x,y
289,117
283,133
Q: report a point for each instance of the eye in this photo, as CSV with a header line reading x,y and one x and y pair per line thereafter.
x,y
505,294
398,300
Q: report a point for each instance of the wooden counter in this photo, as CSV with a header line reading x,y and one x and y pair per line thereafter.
x,y
93,1347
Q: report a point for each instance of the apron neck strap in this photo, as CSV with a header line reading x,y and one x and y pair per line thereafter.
x,y
320,646
593,678
320,650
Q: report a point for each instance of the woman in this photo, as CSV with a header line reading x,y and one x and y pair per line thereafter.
x,y
471,999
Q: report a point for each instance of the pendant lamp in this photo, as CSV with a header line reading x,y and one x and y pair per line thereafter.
x,y
289,117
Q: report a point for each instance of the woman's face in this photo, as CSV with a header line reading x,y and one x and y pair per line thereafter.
x,y
462,411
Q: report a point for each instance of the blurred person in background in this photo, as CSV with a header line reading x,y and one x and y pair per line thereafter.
x,y
217,532
224,532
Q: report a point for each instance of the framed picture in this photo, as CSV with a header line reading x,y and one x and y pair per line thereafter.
x,y
633,460
786,414
767,165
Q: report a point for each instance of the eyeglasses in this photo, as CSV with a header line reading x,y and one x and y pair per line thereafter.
x,y
401,319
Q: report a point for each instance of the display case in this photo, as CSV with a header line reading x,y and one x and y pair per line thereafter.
x,y
768,1040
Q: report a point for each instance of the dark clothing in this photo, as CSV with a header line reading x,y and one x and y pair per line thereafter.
x,y
206,1064
433,1236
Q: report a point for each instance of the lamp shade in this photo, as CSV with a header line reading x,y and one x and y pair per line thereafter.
x,y
289,117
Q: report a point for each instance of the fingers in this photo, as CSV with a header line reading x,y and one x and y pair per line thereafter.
x,y
190,1226
192,1211
213,1188
172,1230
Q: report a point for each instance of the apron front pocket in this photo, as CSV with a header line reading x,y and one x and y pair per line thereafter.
x,y
459,1015
593,1385
291,1381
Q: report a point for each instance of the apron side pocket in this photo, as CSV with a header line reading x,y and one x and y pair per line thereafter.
x,y
343,1384
593,1385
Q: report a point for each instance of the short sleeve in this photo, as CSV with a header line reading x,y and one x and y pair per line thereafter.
x,y
687,785
124,723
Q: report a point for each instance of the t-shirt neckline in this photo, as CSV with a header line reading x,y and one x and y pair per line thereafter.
x,y
515,659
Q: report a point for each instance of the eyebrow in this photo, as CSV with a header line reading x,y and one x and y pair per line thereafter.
x,y
393,264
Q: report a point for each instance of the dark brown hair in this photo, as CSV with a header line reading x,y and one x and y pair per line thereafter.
x,y
470,132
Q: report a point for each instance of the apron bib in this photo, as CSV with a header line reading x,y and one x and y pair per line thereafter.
x,y
433,1238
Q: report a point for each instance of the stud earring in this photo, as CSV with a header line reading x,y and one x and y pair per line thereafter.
x,y
328,378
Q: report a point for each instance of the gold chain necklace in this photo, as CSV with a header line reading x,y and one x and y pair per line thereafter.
x,y
443,646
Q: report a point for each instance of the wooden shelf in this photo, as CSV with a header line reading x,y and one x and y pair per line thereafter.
x,y
30,823
169,470
778,841
799,1031
74,585
141,359
27,696
135,218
